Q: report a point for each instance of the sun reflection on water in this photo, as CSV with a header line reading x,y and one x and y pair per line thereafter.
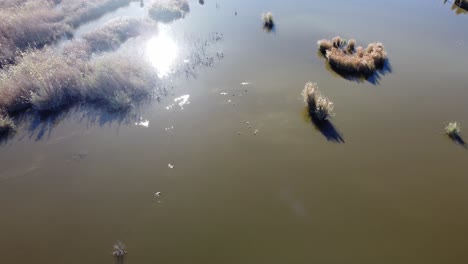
x,y
162,51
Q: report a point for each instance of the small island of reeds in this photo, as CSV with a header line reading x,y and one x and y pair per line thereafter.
x,y
344,57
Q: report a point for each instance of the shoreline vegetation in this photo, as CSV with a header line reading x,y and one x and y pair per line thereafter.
x,y
27,24
168,11
344,57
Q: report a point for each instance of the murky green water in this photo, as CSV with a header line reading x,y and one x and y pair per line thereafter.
x,y
386,187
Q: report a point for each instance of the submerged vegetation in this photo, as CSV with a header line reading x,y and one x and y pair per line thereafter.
x,y
320,108
344,57
169,10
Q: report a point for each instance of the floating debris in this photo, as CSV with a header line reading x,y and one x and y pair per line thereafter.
x,y
170,166
157,194
255,131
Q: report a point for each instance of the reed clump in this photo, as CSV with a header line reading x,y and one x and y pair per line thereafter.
x,y
345,57
167,11
115,32
320,108
452,129
47,80
82,11
268,22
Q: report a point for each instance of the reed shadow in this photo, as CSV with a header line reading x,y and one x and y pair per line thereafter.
x,y
457,139
328,130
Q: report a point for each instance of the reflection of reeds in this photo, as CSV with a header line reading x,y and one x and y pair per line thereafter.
x,y
267,19
167,11
344,57
320,107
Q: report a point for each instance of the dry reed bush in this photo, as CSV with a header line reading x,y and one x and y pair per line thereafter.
x,y
117,81
81,11
267,18
43,79
344,57
115,32
320,107
25,24
168,10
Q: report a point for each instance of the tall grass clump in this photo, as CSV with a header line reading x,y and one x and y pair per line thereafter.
x,y
267,18
26,24
344,57
115,32
82,11
319,107
168,10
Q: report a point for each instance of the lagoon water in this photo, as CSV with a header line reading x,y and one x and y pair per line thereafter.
x,y
243,175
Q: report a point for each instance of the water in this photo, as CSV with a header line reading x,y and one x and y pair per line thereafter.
x,y
392,190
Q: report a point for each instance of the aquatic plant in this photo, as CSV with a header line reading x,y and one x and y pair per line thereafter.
x,y
319,107
344,57
452,129
26,24
267,18
167,11
115,32
119,250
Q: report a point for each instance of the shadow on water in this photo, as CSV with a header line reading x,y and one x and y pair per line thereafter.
x,y
39,126
457,139
326,127
270,28
373,79
458,6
